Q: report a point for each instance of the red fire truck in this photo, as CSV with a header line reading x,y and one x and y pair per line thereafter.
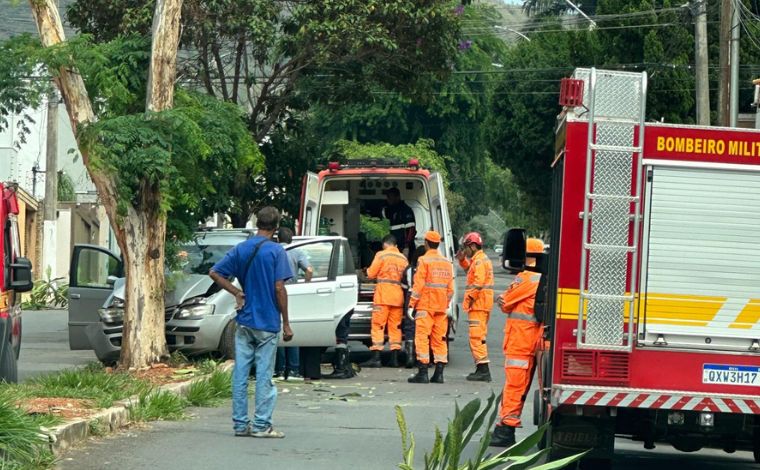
x,y
15,277
652,286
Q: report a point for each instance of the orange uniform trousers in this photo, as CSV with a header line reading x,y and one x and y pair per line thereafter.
x,y
478,321
386,316
431,329
519,375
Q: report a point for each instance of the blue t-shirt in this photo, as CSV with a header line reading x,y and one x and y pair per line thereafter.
x,y
260,311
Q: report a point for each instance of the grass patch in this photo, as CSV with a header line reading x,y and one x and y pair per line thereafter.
x,y
177,359
212,390
91,382
158,405
22,446
207,366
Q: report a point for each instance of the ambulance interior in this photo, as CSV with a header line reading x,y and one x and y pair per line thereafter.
x,y
353,207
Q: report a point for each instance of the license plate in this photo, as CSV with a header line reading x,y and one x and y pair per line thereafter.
x,y
731,375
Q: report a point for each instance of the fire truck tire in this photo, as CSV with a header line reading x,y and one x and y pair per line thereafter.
x,y
538,408
8,366
596,464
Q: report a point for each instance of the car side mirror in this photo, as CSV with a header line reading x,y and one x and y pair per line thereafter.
x,y
21,275
514,250
111,280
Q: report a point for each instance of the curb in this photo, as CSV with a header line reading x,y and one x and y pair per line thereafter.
x,y
109,420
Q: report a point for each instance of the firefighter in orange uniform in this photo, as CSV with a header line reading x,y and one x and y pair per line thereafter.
x,y
431,294
387,269
478,301
522,332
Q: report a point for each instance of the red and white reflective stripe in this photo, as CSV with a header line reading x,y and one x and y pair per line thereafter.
x,y
660,400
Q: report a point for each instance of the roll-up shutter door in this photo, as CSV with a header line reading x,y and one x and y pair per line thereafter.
x,y
703,259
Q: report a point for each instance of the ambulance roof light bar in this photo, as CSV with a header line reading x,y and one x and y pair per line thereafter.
x,y
412,164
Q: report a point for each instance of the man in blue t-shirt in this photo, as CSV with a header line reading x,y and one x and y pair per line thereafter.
x,y
261,266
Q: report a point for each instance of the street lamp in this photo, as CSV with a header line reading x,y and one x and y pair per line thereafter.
x,y
592,26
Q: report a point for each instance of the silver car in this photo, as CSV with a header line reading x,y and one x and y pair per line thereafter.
x,y
200,316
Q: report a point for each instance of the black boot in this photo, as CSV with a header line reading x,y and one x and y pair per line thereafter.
x,y
438,374
342,368
410,354
373,361
503,436
421,377
394,359
481,374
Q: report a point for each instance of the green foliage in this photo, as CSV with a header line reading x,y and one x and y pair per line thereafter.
x,y
423,150
158,405
212,390
92,383
65,188
22,445
48,292
375,229
448,450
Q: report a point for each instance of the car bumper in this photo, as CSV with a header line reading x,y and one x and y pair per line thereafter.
x,y
188,336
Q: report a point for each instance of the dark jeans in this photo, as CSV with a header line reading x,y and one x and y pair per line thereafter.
x,y
342,330
407,327
287,357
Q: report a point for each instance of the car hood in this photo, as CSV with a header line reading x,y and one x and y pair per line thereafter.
x,y
179,287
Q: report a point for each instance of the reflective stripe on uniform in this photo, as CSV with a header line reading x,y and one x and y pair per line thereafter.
x,y
402,226
388,281
535,278
473,322
420,314
475,286
435,285
521,316
437,358
523,363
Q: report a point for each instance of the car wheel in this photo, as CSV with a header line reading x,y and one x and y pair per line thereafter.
x,y
227,341
8,366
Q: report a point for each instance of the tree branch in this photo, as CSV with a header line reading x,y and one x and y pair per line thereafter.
x,y
238,59
163,57
220,69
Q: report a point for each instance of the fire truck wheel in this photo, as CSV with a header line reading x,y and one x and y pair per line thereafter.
x,y
596,464
8,367
538,408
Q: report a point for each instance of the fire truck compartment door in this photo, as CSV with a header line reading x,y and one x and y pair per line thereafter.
x,y
702,260
310,205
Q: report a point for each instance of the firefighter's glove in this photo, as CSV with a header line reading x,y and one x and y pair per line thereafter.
x,y
410,313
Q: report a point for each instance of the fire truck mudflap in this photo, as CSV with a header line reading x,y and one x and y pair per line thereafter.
x,y
653,303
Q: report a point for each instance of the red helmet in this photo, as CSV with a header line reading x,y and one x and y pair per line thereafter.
x,y
473,237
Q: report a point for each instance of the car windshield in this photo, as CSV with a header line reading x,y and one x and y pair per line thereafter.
x,y
200,258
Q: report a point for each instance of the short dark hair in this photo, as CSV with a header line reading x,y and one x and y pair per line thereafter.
x,y
390,240
285,235
433,245
268,218
393,192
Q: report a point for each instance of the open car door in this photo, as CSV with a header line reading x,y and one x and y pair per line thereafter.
x,y
309,217
316,307
91,276
442,223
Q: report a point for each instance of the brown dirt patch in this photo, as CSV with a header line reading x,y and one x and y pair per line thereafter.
x,y
66,408
161,374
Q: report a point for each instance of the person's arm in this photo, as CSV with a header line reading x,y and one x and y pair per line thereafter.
x,y
464,263
519,290
282,303
225,284
221,273
374,269
303,263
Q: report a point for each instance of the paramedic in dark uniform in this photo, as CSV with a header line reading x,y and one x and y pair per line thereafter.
x,y
401,217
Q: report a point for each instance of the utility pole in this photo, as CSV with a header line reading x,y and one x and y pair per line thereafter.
x,y
735,44
726,10
703,78
50,206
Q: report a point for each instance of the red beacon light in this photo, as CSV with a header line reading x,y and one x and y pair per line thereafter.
x,y
414,164
333,166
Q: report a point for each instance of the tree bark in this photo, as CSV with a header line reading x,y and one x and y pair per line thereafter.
x,y
141,233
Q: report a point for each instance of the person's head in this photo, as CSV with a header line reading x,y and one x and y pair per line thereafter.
x,y
389,241
473,243
393,196
268,219
533,245
432,240
285,235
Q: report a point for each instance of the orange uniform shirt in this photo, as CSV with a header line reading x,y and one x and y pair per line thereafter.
x,y
387,269
521,330
478,295
433,283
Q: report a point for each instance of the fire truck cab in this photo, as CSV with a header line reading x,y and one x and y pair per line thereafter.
x,y
652,284
347,199
15,278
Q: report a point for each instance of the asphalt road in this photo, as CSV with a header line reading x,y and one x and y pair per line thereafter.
x,y
45,344
346,425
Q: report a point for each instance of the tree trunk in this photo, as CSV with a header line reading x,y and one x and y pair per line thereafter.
x,y
141,233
